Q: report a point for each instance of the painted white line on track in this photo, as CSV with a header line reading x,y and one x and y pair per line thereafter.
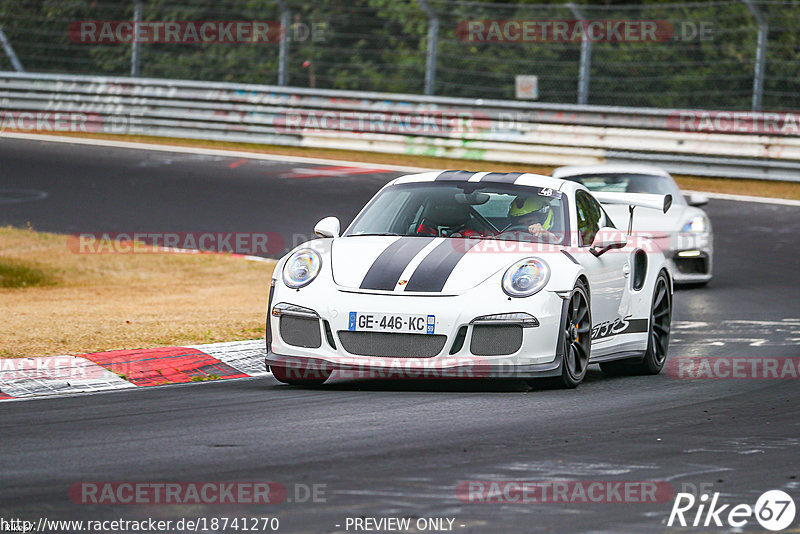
x,y
313,161
178,250
83,393
748,198
208,151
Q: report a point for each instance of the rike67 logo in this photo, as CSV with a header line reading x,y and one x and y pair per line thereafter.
x,y
774,510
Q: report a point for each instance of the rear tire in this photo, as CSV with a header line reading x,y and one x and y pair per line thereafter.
x,y
299,376
655,356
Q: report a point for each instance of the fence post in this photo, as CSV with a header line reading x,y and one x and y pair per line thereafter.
x,y
283,52
586,57
12,56
433,40
135,44
761,54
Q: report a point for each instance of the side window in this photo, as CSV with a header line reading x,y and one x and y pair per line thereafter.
x,y
590,217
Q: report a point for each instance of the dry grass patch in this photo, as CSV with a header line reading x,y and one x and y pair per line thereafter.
x,y
736,186
55,302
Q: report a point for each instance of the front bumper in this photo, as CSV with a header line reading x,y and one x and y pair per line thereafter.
x,y
690,259
461,368
462,353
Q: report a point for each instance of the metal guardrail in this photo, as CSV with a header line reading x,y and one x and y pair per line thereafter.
x,y
491,130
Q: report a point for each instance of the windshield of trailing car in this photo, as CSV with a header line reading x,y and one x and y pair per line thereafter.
x,y
466,210
629,183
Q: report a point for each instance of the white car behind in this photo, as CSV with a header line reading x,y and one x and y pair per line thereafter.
x,y
687,240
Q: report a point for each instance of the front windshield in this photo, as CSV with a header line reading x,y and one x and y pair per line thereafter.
x,y
628,183
466,210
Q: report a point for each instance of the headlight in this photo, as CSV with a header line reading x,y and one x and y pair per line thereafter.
x,y
695,225
526,277
301,269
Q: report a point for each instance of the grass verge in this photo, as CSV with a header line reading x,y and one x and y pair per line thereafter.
x,y
55,302
764,188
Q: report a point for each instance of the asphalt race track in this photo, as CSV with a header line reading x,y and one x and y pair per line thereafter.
x,y
401,448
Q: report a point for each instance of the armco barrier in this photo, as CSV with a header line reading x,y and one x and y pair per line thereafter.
x,y
491,130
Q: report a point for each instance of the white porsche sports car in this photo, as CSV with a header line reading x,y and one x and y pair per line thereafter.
x,y
457,274
686,237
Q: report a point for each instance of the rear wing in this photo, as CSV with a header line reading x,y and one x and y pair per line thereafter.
x,y
632,200
644,200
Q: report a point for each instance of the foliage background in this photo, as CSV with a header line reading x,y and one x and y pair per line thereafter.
x,y
380,45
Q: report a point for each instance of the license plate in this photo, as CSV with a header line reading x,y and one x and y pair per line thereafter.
x,y
392,322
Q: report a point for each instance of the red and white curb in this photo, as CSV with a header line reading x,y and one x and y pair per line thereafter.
x,y
22,378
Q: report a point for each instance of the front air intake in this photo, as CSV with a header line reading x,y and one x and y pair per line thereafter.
x,y
392,345
495,340
300,331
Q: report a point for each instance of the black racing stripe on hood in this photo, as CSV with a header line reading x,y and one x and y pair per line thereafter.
x,y
389,265
502,177
457,176
432,274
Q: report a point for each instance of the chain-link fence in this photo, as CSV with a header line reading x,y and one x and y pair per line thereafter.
x,y
731,54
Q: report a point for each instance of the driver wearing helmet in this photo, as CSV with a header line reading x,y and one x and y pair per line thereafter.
x,y
532,214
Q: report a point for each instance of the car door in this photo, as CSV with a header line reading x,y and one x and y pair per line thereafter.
x,y
607,273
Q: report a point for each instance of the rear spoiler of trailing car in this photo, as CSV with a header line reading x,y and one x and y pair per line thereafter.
x,y
645,200
632,200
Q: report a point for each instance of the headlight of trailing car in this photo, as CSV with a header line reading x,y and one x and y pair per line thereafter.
x,y
696,225
301,268
526,277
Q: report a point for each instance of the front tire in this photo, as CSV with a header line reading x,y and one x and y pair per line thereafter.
x,y
300,377
576,338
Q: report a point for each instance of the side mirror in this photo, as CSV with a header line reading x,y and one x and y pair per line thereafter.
x,y
696,199
327,227
607,239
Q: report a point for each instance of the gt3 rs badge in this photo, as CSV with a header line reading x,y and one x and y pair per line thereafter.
x,y
619,325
